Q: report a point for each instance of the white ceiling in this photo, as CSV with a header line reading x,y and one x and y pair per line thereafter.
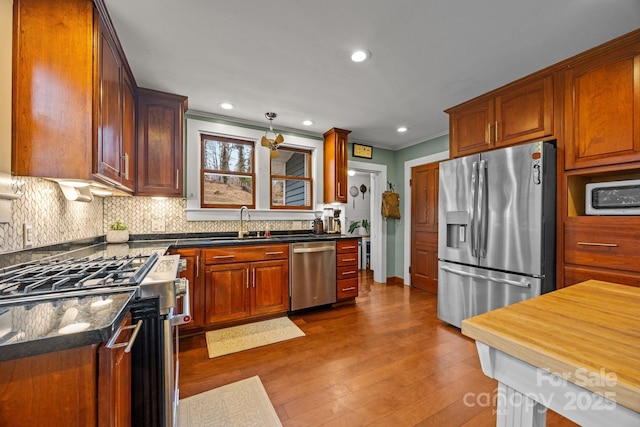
x,y
292,56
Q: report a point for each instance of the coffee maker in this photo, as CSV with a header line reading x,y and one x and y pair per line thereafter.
x,y
318,225
333,221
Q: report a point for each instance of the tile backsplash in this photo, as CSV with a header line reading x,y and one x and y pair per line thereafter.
x,y
54,219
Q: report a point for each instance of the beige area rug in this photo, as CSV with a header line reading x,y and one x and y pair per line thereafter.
x,y
241,404
244,337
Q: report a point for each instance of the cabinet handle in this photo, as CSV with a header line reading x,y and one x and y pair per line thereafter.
x,y
254,277
348,247
126,166
129,344
489,133
247,279
495,132
274,253
223,256
348,259
349,289
608,245
348,272
177,178
197,265
339,192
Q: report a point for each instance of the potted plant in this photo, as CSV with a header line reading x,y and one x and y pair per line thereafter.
x,y
118,233
361,226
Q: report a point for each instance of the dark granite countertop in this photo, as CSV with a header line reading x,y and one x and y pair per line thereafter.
x,y
47,325
43,326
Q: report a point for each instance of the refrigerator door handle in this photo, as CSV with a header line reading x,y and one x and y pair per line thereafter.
x,y
482,220
473,204
483,277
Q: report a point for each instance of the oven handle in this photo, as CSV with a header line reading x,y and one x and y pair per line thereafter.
x,y
184,317
129,344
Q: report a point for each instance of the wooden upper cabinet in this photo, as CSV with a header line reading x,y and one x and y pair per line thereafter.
x,y
108,108
70,94
335,165
470,127
160,118
128,132
53,88
524,113
602,109
518,113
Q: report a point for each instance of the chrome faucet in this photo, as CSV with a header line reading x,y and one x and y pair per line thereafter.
x,y
241,232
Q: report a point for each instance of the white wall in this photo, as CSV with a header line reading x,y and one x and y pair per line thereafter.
x,y
359,207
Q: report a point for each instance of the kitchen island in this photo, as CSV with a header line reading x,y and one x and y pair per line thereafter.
x,y
575,351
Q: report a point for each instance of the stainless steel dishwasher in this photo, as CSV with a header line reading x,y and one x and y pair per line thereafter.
x,y
313,274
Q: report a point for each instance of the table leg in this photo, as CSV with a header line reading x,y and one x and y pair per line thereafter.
x,y
517,410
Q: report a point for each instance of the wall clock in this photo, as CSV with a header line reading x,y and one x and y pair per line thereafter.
x,y
364,151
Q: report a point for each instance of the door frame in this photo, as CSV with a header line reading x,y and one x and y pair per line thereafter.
x,y
432,158
378,224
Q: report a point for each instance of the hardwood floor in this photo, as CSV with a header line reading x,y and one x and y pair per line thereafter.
x,y
385,361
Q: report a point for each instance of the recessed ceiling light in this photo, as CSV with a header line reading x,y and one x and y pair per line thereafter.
x,y
402,129
226,105
307,122
360,55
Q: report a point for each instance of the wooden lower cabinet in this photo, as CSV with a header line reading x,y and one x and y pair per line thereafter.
x,y
346,269
82,386
601,248
256,286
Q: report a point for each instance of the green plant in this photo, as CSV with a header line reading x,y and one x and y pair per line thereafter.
x,y
356,224
118,226
353,226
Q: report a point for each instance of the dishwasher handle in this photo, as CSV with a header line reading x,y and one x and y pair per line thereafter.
x,y
314,249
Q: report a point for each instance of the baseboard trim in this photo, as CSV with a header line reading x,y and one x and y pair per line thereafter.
x,y
395,281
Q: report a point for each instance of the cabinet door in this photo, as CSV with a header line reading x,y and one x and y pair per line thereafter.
x,y
524,113
471,128
109,112
335,165
602,102
160,166
226,292
128,132
424,227
196,287
114,382
270,287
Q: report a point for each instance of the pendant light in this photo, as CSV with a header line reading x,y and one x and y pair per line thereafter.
x,y
272,143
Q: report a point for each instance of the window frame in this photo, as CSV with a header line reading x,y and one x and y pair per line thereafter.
x,y
308,179
203,171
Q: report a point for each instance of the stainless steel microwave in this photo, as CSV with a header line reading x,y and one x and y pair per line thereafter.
x,y
613,198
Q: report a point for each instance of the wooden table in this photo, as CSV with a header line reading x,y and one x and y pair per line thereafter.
x,y
574,350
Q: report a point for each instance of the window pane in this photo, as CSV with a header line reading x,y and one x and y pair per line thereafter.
x,y
290,163
290,192
227,156
221,189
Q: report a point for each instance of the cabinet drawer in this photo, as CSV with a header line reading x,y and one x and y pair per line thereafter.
x,y
348,272
573,275
347,260
610,243
347,246
226,254
347,288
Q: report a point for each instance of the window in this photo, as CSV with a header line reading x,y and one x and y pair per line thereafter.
x,y
291,180
227,173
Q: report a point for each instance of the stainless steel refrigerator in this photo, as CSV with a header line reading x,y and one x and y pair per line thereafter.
x,y
496,229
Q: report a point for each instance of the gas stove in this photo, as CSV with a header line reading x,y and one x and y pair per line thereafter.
x,y
74,277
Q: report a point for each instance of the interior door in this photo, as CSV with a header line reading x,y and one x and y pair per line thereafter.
x,y
424,227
